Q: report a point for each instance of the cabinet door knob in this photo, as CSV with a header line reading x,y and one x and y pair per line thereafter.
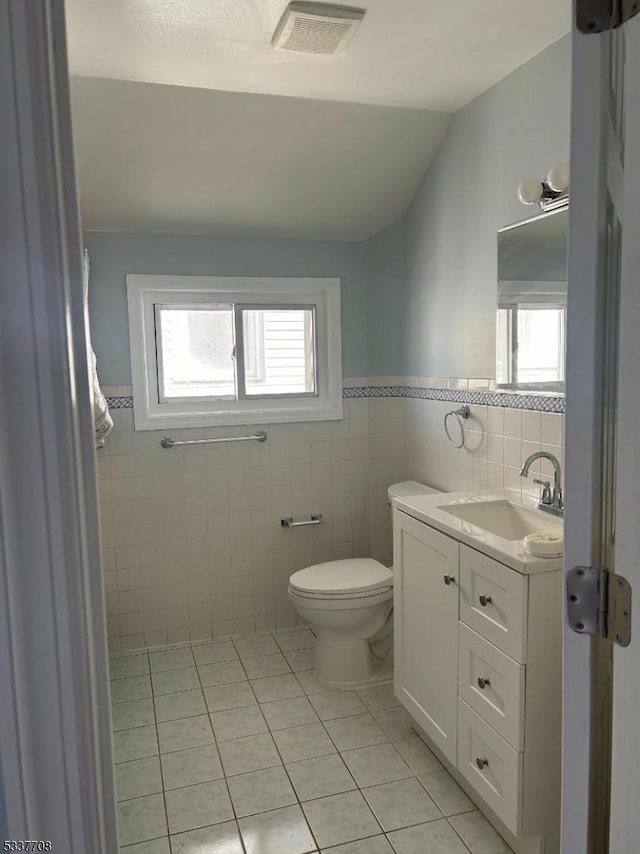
x,y
449,579
481,762
484,600
482,683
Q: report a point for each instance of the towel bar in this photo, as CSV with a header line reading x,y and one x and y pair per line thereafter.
x,y
260,436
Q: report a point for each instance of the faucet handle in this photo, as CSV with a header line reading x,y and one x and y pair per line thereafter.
x,y
546,497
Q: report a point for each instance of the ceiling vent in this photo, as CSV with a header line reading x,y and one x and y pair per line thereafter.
x,y
319,28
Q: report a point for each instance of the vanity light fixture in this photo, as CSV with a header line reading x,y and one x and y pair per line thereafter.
x,y
551,193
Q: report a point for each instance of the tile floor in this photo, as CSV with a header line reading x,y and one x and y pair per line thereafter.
x,y
232,747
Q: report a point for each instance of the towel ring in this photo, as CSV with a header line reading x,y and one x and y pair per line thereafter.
x,y
461,416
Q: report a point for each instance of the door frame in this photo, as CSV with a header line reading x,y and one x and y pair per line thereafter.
x,y
602,405
625,759
586,227
55,738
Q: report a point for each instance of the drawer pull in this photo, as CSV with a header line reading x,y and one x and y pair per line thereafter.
x,y
481,763
485,600
482,683
449,579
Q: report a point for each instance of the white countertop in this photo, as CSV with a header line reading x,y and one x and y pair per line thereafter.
x,y
431,509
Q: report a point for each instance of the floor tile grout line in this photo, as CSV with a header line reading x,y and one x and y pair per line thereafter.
x,y
384,833
135,699
299,802
456,832
224,774
338,751
177,645
358,788
130,676
285,765
331,848
295,792
124,848
266,723
164,794
293,788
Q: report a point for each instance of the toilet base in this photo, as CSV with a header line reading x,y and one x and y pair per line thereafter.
x,y
343,628
380,674
343,661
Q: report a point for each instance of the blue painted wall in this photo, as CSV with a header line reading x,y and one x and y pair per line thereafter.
x,y
419,298
386,283
113,255
517,129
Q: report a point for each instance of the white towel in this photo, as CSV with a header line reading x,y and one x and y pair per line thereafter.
x,y
103,423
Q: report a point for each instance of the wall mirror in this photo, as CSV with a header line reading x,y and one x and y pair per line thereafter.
x,y
532,304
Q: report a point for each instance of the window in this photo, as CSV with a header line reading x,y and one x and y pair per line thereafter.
x,y
531,346
212,351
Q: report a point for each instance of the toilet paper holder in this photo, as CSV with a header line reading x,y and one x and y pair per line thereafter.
x,y
287,521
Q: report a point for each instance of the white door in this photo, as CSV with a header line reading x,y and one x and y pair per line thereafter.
x,y
55,737
625,781
601,759
426,586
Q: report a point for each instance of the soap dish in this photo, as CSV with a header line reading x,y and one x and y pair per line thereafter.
x,y
544,545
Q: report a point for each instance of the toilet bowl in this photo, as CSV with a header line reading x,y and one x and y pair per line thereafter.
x,y
347,603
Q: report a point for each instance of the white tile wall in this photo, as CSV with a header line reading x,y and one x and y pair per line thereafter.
x,y
192,542
407,441
193,546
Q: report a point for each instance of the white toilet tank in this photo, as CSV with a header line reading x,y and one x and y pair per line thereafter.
x,y
382,643
409,487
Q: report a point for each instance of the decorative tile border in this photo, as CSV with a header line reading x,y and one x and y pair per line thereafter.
x,y
120,402
538,403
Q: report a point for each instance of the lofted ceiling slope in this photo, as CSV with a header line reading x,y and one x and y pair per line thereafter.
x,y
155,158
187,120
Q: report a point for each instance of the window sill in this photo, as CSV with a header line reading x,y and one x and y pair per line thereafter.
x,y
239,414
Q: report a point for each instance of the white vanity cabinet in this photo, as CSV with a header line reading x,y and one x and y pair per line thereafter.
x,y
478,663
426,570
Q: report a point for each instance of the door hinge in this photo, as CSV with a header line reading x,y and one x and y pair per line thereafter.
x,y
599,603
598,16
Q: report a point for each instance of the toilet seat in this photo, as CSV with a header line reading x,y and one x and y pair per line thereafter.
x,y
353,578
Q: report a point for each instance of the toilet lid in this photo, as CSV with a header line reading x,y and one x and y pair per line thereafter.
x,y
341,577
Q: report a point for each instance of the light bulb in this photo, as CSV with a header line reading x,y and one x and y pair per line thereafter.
x,y
558,178
530,191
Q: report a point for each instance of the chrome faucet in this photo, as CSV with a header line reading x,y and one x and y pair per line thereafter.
x,y
550,502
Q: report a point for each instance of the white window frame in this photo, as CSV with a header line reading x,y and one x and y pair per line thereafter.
x,y
144,292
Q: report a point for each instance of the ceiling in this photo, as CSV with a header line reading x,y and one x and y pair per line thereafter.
x,y
172,159
186,120
425,54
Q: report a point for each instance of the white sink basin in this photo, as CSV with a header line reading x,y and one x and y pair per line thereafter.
x,y
505,520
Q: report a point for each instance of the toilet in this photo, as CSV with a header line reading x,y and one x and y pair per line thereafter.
x,y
348,603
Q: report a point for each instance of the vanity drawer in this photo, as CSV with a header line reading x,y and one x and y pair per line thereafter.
x,y
493,685
493,602
490,765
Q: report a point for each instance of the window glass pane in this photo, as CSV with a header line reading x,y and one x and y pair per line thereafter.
x,y
279,351
540,345
196,357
